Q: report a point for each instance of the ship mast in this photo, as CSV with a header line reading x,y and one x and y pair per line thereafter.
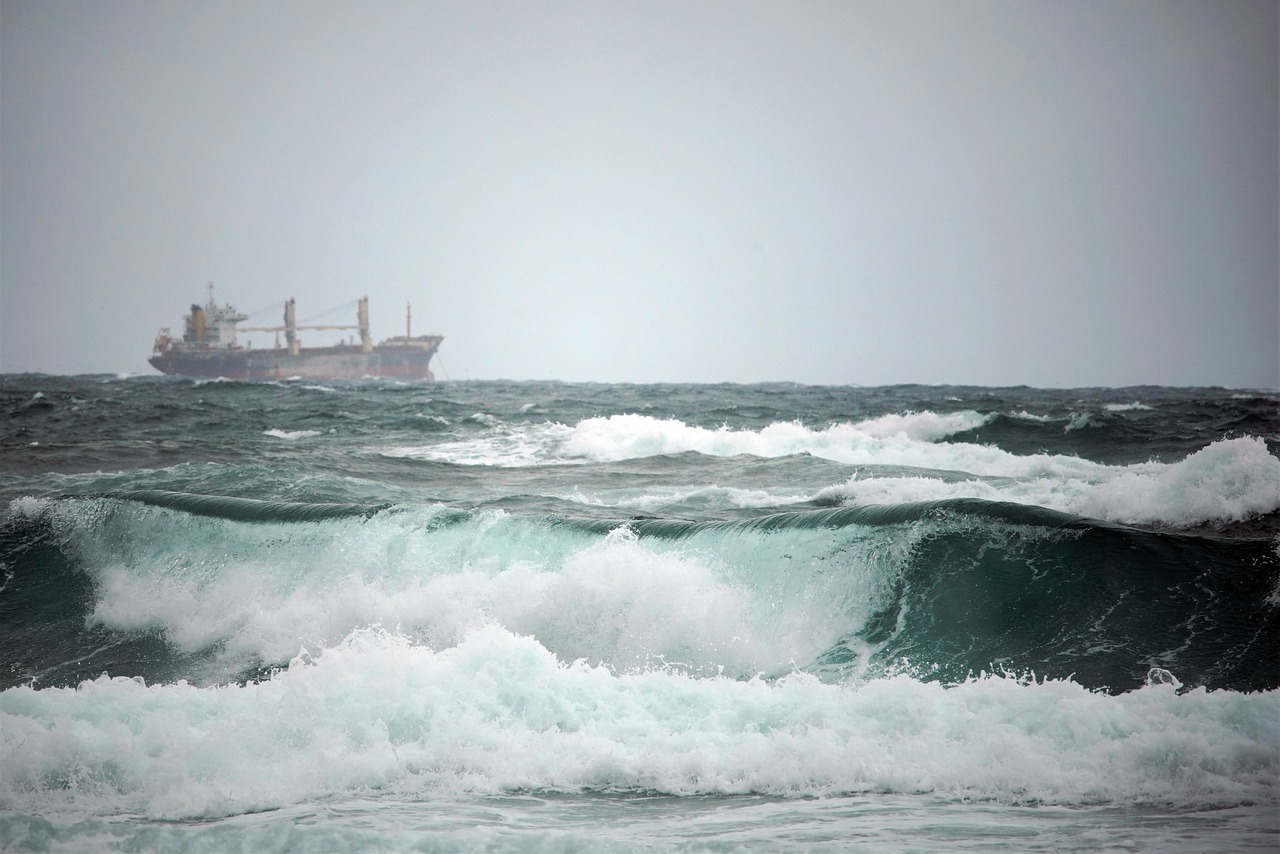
x,y
291,328
408,317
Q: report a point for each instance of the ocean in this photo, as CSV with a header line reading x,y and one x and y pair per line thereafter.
x,y
540,616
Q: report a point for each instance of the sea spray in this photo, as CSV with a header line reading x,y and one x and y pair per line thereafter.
x,y
848,593
498,712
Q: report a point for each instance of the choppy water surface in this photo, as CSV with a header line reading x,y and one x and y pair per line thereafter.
x,y
545,616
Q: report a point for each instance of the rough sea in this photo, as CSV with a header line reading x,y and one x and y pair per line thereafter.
x,y
501,616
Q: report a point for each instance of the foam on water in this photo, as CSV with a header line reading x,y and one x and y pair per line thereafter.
x,y
658,499
1078,421
1227,481
620,437
503,446
291,435
249,593
219,589
498,712
625,437
1023,415
888,438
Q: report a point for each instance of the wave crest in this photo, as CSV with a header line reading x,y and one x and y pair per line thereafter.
x,y
1227,481
499,712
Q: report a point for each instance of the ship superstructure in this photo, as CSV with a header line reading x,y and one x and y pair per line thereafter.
x,y
209,348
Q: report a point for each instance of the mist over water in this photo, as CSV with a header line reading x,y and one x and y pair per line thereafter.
x,y
554,616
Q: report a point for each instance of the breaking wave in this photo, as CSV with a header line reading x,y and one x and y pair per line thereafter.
x,y
217,589
498,712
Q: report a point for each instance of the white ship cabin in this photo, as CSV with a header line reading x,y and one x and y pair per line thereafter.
x,y
212,326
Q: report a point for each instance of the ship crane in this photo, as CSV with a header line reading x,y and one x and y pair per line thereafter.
x,y
291,327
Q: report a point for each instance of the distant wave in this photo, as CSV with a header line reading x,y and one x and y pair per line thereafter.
x,y
623,437
291,435
620,437
244,509
903,459
1228,481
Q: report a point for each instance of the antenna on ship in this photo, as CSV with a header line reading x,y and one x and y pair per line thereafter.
x,y
408,317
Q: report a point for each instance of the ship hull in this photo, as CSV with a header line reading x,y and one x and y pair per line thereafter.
x,y
395,361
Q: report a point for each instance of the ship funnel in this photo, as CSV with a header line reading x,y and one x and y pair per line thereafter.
x,y
197,323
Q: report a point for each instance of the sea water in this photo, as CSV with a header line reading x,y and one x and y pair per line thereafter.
x,y
499,616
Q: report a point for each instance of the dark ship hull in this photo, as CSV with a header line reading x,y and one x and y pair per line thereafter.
x,y
399,361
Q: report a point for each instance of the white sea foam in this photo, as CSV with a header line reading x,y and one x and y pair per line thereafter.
x,y
240,594
1023,415
619,601
1126,407
499,712
291,435
1077,421
621,437
503,447
624,437
656,499
923,426
881,441
1229,480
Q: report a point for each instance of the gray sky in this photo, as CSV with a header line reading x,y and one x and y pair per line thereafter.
x,y
1049,193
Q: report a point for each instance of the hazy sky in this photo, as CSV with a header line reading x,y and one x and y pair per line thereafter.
x,y
1050,193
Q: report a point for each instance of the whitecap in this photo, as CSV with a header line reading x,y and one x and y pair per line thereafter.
x,y
1227,481
291,435
498,712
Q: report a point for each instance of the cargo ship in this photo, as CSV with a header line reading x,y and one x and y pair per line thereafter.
x,y
208,348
